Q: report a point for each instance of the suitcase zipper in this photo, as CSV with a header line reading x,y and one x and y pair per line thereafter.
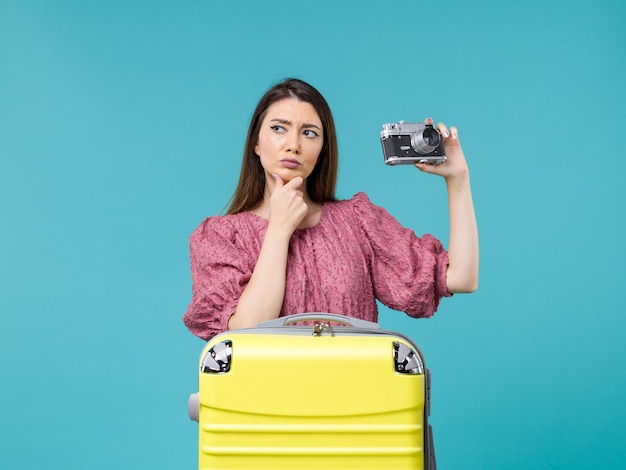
x,y
318,329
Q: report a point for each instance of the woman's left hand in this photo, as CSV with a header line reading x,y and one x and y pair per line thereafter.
x,y
455,164
462,273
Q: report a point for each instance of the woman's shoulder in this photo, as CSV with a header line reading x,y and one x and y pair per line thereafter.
x,y
359,199
359,204
360,210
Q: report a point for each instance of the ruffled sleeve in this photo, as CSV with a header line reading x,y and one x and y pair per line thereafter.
x,y
408,272
220,271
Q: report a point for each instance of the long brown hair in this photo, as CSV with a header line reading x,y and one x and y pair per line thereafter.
x,y
321,183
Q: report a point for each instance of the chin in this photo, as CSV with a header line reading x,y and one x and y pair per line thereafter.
x,y
287,174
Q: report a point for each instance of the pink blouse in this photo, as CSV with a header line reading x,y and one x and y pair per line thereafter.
x,y
355,254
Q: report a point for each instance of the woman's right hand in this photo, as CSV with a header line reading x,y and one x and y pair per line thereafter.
x,y
287,205
262,298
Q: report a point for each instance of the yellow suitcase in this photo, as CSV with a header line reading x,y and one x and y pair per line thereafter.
x,y
319,395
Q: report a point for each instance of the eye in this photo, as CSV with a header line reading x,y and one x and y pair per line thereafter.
x,y
310,133
277,128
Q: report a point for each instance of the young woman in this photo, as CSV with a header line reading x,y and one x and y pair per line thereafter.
x,y
287,245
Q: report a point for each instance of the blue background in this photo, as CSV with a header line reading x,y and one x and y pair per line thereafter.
x,y
122,126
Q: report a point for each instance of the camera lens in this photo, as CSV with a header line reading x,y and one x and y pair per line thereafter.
x,y
426,141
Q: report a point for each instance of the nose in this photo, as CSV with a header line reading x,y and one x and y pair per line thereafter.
x,y
293,144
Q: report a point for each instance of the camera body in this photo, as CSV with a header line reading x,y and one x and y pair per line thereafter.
x,y
408,143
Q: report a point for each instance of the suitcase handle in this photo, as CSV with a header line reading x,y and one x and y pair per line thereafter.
x,y
344,319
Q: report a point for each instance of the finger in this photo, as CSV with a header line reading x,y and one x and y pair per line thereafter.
x,y
295,183
278,183
424,167
428,120
443,130
454,133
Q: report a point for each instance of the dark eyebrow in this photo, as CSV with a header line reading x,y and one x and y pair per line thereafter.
x,y
286,121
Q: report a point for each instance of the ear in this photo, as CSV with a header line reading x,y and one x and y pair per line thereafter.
x,y
256,150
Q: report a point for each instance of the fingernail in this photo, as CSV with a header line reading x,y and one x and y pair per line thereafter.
x,y
446,134
454,136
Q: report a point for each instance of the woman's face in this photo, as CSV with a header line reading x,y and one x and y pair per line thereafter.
x,y
290,139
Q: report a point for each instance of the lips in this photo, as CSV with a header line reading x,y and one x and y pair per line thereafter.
x,y
290,162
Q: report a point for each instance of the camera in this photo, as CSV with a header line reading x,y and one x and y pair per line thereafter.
x,y
408,143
